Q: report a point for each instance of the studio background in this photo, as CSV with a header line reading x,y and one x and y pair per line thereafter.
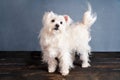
x,y
20,22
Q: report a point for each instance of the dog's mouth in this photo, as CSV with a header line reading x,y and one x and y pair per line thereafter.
x,y
56,28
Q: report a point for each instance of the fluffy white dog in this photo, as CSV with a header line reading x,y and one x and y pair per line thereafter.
x,y
60,38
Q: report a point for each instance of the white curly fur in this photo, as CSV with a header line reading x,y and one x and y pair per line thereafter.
x,y
60,38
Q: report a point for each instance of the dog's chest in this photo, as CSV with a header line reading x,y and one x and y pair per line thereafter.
x,y
56,41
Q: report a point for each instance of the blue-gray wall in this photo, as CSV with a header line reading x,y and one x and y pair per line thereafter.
x,y
20,22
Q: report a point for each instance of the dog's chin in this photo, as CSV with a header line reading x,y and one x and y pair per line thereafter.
x,y
56,31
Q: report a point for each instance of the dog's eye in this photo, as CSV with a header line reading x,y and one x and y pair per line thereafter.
x,y
61,22
52,20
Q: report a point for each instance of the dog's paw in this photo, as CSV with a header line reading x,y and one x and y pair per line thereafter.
x,y
85,65
64,72
51,69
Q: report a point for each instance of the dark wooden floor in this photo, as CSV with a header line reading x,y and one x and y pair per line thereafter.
x,y
28,66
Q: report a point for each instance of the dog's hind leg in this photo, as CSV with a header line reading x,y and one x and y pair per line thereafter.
x,y
84,56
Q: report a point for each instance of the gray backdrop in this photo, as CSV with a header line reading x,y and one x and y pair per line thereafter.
x,y
20,22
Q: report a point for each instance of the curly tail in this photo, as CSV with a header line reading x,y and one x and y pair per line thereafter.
x,y
89,18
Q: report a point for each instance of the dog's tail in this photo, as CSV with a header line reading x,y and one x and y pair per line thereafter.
x,y
89,18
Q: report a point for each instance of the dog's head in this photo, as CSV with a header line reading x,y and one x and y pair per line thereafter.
x,y
56,23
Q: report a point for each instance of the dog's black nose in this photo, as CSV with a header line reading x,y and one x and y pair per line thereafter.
x,y
56,26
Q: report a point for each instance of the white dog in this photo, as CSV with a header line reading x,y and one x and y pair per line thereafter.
x,y
60,38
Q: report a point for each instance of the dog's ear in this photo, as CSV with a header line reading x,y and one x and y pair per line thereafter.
x,y
47,16
51,13
67,19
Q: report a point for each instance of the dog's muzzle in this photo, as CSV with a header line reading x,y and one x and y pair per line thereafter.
x,y
56,27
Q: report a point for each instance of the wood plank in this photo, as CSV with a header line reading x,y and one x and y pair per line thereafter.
x,y
28,66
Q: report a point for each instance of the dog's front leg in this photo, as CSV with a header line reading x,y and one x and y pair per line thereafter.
x,y
50,60
52,63
65,63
